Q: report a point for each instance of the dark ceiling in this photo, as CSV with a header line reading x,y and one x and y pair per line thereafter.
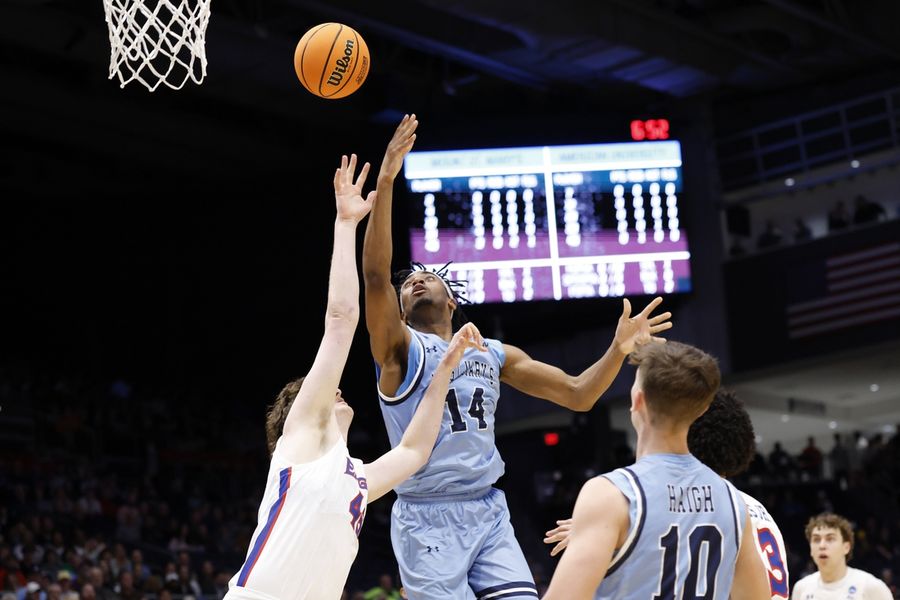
x,y
476,59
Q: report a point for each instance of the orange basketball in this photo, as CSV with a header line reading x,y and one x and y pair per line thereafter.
x,y
331,60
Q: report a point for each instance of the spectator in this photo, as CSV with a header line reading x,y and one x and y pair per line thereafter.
x,y
838,217
866,211
65,584
810,460
31,591
770,237
840,460
140,571
781,462
125,589
97,578
384,591
802,232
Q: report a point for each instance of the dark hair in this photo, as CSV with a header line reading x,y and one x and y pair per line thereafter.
x,y
678,380
832,521
456,286
722,438
278,412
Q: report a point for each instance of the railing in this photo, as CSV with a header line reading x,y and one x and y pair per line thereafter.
x,y
841,132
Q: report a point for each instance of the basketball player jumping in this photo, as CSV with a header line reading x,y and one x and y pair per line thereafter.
x,y
450,528
316,494
666,527
723,440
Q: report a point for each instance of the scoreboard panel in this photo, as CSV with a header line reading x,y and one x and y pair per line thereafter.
x,y
552,222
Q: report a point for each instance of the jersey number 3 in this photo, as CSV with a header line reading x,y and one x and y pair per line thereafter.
x,y
777,581
476,410
694,587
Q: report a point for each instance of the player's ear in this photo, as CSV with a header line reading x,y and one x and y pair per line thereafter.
x,y
453,304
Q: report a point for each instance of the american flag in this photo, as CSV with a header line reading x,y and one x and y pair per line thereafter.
x,y
857,288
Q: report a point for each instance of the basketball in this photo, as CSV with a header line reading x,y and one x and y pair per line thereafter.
x,y
331,60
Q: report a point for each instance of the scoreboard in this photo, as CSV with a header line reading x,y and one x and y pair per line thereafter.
x,y
552,222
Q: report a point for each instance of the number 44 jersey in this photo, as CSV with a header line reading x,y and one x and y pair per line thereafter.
x,y
684,534
464,458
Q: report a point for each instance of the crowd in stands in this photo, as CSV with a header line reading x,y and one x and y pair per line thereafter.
x,y
118,496
865,212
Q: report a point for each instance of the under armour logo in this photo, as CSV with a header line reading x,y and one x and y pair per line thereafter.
x,y
430,349
430,548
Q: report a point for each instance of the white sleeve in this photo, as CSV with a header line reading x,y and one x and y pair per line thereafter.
x,y
876,589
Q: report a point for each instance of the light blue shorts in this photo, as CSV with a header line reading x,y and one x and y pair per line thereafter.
x,y
459,547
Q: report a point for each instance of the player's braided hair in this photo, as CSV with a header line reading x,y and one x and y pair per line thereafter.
x,y
456,288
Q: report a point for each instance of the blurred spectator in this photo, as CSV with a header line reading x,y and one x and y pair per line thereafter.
x,y
770,237
65,584
810,459
866,211
97,579
838,217
781,462
384,591
802,232
840,460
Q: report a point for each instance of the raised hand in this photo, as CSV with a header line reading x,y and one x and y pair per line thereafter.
x,y
559,535
632,332
467,337
348,195
399,147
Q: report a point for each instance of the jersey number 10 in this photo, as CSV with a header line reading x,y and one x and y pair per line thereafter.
x,y
700,535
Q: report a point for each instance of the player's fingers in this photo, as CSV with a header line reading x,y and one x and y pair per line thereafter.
x,y
559,548
626,308
370,199
660,318
351,168
658,340
337,178
651,307
363,173
661,327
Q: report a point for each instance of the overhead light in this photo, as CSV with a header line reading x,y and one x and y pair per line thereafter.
x,y
854,164
832,425
874,387
785,418
789,182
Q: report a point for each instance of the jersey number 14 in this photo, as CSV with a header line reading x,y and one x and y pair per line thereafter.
x,y
476,410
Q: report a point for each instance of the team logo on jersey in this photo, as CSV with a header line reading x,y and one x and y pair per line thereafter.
x,y
851,592
351,471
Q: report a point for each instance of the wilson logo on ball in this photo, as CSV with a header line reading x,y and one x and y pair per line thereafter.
x,y
331,60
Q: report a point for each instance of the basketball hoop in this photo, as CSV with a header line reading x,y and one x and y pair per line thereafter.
x,y
157,41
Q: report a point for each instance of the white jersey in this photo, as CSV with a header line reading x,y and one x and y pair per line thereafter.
x,y
855,585
306,537
770,546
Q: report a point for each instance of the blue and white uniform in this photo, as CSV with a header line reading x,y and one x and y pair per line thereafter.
x,y
450,528
306,537
685,531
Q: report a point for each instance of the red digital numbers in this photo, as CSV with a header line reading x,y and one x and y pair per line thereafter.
x,y
651,129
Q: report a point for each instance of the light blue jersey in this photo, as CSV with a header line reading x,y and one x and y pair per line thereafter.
x,y
685,531
464,459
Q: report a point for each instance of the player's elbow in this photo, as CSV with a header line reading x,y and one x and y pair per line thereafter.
x,y
576,398
375,276
342,316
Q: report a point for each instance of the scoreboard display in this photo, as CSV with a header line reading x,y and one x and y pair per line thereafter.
x,y
552,222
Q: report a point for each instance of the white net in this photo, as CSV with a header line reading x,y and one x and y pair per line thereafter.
x,y
157,41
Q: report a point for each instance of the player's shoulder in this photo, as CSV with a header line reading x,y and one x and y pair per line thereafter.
x,y
805,584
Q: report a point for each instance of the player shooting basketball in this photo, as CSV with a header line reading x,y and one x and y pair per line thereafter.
x,y
450,528
316,494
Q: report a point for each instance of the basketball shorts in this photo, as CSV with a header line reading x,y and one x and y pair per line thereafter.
x,y
459,547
